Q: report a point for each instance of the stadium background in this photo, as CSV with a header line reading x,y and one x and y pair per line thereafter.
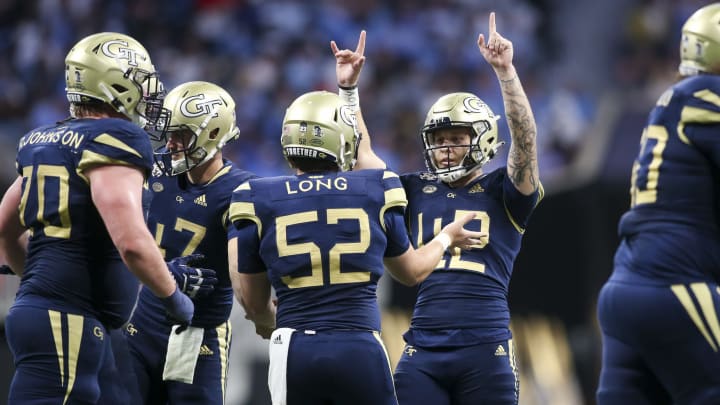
x,y
592,71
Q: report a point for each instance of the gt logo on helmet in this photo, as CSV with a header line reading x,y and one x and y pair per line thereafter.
x,y
474,105
201,107
122,52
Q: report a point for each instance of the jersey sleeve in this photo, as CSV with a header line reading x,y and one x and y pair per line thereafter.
x,y
398,240
242,206
394,195
519,206
700,124
246,227
248,247
121,145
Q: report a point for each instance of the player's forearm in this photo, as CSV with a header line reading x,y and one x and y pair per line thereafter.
x,y
261,314
522,158
144,260
367,159
415,265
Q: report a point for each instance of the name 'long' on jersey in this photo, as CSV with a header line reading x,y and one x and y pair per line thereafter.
x,y
72,264
322,239
186,218
468,289
670,234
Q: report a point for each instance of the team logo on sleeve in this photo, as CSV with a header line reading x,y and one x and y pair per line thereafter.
x,y
157,187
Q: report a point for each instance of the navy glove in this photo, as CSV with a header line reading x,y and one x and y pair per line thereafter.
x,y
194,281
179,309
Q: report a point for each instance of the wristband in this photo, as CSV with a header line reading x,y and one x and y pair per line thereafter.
x,y
349,97
444,240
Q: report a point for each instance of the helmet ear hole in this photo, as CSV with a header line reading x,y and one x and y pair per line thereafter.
x,y
119,88
214,133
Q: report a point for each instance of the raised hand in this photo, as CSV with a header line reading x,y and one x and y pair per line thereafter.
x,y
349,63
463,238
192,280
497,51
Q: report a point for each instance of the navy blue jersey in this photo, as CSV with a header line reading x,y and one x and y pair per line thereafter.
x,y
671,231
186,218
321,239
468,289
72,265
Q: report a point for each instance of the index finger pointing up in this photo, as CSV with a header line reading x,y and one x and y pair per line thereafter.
x,y
361,43
492,23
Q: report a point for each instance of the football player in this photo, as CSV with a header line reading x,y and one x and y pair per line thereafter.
x,y
191,189
79,193
658,310
459,345
319,239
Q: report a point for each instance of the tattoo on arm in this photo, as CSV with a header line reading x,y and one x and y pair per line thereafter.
x,y
522,158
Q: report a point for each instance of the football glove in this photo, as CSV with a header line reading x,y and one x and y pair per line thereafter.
x,y
194,281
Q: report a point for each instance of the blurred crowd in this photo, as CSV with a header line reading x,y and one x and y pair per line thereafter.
x,y
267,52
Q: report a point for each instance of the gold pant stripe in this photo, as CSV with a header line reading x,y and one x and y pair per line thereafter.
x,y
75,332
377,337
683,296
224,335
56,326
704,297
513,366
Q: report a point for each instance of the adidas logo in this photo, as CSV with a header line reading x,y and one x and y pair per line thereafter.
x,y
477,188
200,201
278,340
205,351
500,351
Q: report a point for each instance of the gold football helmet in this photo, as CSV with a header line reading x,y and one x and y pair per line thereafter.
x,y
205,113
318,126
461,110
700,42
116,69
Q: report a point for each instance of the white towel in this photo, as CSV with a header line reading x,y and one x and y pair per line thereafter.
x,y
182,354
277,372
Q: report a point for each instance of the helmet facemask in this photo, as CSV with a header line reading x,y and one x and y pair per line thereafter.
x,y
460,110
183,156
